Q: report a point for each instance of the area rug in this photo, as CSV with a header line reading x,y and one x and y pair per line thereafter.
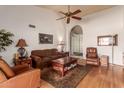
x,y
70,80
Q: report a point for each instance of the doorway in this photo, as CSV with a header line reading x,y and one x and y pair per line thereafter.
x,y
76,41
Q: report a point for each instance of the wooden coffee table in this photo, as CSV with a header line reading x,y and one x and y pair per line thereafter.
x,y
64,64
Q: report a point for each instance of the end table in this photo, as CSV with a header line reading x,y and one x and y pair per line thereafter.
x,y
81,62
104,60
23,61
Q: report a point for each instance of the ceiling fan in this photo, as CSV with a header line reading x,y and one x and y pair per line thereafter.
x,y
69,15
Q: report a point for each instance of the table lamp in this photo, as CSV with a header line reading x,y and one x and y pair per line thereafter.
x,y
22,51
62,44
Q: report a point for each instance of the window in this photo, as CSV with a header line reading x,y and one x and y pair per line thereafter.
x,y
107,40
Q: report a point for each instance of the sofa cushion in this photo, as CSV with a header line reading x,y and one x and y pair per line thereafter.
x,y
39,53
2,76
54,57
47,53
46,59
44,53
6,69
53,51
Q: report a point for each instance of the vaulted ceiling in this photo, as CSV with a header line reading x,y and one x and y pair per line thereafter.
x,y
86,9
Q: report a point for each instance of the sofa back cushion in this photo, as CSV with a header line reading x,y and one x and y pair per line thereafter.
x,y
2,76
47,52
37,53
43,53
54,51
6,69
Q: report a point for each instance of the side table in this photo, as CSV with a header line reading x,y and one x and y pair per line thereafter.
x,y
104,60
81,62
23,61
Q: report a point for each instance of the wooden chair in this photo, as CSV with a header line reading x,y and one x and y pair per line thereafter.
x,y
92,56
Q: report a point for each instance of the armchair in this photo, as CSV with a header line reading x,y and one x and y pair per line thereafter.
x,y
92,56
20,76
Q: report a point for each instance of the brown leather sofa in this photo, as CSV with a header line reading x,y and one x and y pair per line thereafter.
x,y
42,58
20,76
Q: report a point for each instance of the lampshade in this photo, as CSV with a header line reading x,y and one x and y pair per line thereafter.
x,y
61,43
21,43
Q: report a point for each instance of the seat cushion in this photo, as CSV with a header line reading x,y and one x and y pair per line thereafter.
x,y
54,57
2,76
93,63
46,59
6,69
92,59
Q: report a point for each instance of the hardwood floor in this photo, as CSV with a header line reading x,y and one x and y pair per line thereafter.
x,y
100,77
103,77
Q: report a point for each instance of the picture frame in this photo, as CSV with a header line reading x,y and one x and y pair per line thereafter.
x,y
107,40
45,38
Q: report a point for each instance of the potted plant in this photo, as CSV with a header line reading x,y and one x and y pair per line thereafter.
x,y
5,39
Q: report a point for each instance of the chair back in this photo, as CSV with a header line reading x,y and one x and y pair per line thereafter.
x,y
91,52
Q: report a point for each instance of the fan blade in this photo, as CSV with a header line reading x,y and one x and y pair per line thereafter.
x,y
76,12
61,18
75,17
68,20
63,13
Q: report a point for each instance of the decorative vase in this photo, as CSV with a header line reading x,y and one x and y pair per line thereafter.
x,y
22,52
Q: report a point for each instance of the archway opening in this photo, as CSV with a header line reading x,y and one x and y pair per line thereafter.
x,y
76,41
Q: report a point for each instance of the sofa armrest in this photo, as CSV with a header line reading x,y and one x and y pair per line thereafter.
x,y
36,61
18,69
37,58
29,79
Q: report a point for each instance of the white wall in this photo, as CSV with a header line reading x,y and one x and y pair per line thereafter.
x,y
16,20
107,22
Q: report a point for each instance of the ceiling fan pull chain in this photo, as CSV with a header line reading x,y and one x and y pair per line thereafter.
x,y
68,9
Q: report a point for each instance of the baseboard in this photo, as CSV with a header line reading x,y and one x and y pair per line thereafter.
x,y
116,65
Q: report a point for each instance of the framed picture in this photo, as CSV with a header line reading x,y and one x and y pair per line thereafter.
x,y
107,40
45,38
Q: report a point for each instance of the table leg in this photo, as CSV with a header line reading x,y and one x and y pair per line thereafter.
x,y
62,71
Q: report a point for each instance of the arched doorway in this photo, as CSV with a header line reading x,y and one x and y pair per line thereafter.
x,y
76,41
